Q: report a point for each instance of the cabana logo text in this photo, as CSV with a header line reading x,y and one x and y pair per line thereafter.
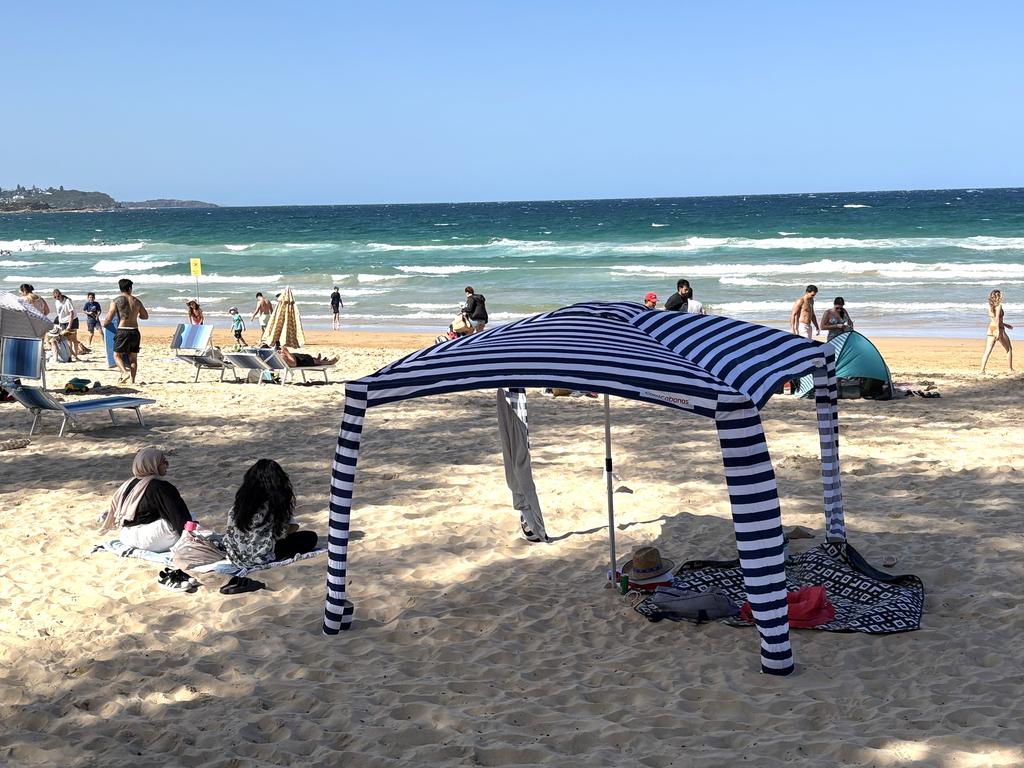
x,y
677,400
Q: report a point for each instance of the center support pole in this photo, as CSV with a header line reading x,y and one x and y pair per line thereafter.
x,y
609,483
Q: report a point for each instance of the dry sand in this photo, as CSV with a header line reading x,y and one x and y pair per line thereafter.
x,y
472,647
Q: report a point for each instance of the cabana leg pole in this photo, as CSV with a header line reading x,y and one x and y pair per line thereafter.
x,y
338,609
825,403
609,482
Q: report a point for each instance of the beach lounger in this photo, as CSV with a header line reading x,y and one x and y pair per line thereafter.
x,y
191,337
22,359
270,360
38,400
196,340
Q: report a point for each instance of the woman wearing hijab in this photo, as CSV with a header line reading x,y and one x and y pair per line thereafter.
x,y
261,528
147,511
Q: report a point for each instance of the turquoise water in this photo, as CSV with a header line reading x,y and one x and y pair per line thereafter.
x,y
906,262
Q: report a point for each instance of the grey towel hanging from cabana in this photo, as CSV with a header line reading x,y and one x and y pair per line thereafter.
x,y
515,450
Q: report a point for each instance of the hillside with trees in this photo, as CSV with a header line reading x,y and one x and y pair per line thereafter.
x,y
22,199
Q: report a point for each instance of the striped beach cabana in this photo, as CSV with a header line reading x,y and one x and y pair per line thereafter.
x,y
710,366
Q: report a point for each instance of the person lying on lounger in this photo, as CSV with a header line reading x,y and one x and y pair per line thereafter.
x,y
147,512
302,360
261,528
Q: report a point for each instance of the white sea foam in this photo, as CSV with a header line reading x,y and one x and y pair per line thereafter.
x,y
788,241
833,268
449,270
450,307
658,225
309,245
114,265
856,205
44,246
446,224
232,247
365,278
339,278
787,234
15,264
146,279
764,308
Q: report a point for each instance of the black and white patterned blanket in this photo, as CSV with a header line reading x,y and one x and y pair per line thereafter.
x,y
865,599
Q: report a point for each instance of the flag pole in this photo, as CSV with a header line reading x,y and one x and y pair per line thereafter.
x,y
609,485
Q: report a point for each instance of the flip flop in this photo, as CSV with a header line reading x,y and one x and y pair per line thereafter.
x,y
237,585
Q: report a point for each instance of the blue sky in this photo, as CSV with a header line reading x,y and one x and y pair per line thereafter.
x,y
333,102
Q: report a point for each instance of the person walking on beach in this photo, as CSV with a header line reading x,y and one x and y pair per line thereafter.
x,y
92,310
802,319
127,339
997,330
836,320
262,311
336,306
195,312
651,300
475,310
237,325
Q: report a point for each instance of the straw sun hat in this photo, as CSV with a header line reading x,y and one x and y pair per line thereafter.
x,y
647,563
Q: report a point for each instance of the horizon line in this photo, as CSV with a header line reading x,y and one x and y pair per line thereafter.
x,y
601,199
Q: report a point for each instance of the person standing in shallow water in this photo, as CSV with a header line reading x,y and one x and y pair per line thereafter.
x,y
996,330
336,305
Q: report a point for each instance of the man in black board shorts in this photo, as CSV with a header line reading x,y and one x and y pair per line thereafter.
x,y
127,339
336,306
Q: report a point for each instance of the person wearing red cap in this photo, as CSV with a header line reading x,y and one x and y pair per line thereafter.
x,y
651,301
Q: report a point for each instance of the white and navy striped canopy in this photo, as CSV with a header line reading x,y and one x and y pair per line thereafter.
x,y
691,362
713,366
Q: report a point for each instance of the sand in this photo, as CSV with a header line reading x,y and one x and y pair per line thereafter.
x,y
473,647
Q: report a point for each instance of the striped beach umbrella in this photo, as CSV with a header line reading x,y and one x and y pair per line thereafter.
x,y
285,326
709,366
20,319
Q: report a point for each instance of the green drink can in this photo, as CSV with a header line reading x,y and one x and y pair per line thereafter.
x,y
623,584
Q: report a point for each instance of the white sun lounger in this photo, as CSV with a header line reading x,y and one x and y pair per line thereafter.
x,y
38,400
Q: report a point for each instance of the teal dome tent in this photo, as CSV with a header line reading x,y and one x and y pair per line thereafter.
x,y
856,358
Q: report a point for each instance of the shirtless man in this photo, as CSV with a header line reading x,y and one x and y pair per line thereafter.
x,y
802,319
127,338
263,310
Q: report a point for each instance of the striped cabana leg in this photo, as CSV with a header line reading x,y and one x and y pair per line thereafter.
x,y
826,405
758,522
338,610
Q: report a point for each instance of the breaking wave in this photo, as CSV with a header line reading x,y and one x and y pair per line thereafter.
x,y
113,265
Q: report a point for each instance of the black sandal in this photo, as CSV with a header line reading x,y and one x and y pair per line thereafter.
x,y
238,584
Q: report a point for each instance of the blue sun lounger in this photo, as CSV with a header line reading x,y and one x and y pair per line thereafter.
x,y
38,400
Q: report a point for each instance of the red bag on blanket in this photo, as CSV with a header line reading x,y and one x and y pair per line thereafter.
x,y
808,607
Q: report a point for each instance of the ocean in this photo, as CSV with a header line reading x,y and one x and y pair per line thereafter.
x,y
907,263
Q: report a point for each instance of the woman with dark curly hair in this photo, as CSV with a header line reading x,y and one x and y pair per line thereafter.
x,y
261,528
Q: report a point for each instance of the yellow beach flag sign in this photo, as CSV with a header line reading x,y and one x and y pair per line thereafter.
x,y
196,266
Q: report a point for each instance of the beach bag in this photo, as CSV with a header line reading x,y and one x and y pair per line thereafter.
x,y
192,551
684,605
461,324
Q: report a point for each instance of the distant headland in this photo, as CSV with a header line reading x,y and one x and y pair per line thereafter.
x,y
57,199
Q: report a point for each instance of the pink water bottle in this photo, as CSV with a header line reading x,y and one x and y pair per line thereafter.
x,y
191,526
